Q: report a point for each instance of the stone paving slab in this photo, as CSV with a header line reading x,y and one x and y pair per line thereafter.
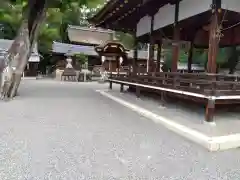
x,y
58,131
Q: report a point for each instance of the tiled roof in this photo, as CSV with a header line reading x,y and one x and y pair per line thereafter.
x,y
94,29
5,44
71,49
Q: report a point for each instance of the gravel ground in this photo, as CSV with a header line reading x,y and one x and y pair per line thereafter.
x,y
58,131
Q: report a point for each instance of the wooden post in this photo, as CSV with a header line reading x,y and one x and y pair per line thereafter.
x,y
138,91
209,112
214,37
159,55
110,82
148,59
151,46
190,57
121,88
135,55
118,64
176,37
134,61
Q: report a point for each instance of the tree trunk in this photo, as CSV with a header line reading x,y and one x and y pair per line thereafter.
x,y
24,54
21,50
11,60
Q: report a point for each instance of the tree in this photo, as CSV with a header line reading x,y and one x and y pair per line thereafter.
x,y
34,13
10,18
126,39
167,53
81,58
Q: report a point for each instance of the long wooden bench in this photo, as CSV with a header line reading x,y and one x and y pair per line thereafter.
x,y
210,89
69,74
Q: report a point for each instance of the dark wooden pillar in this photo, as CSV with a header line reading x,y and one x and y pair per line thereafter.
x,y
214,37
159,55
210,109
134,62
138,91
135,55
176,38
111,70
190,57
121,88
118,64
110,84
151,49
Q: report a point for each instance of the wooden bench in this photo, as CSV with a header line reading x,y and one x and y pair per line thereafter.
x,y
69,74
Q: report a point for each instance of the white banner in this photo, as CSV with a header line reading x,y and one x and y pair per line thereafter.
x,y
144,26
189,8
232,5
164,16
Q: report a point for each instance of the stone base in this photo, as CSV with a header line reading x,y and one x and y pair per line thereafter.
x,y
189,123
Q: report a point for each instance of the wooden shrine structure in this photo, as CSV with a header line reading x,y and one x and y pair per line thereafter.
x,y
114,56
203,23
83,41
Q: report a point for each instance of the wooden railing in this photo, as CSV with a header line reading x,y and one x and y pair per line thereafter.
x,y
207,84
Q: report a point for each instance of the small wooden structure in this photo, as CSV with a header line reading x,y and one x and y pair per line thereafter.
x,y
207,23
113,55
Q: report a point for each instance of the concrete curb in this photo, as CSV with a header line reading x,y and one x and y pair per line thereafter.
x,y
217,143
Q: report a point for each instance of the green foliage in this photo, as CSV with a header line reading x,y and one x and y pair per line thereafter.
x,y
200,56
223,56
60,12
59,15
167,54
81,58
126,39
10,19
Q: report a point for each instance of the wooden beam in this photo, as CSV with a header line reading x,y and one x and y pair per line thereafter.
x,y
176,38
151,48
190,57
159,55
135,54
214,37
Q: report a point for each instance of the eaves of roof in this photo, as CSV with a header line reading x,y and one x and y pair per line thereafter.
x,y
93,29
102,12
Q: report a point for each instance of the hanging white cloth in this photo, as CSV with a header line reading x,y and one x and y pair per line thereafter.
x,y
121,60
103,58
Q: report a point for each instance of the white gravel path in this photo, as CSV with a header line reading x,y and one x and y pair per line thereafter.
x,y
58,131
